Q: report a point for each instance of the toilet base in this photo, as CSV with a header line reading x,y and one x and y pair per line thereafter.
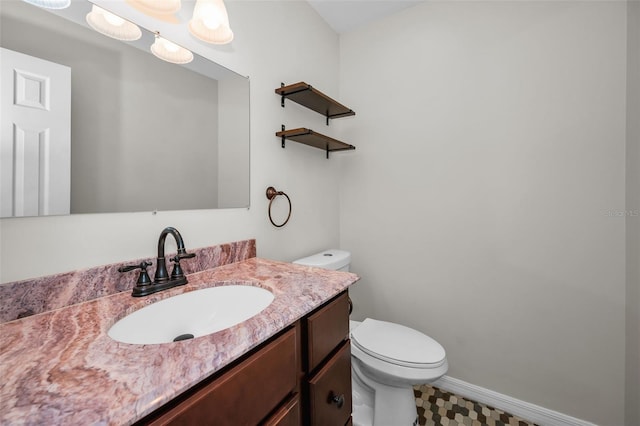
x,y
375,404
362,400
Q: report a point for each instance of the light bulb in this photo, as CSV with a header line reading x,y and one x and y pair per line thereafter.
x,y
113,19
170,52
171,47
210,22
159,7
111,25
210,16
50,4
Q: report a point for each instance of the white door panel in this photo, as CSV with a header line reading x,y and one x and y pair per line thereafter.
x,y
35,131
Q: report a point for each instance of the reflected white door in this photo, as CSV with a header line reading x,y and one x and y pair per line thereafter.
x,y
35,131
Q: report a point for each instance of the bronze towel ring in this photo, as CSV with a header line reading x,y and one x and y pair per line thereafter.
x,y
271,195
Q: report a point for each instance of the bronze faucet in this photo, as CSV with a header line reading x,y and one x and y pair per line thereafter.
x,y
162,280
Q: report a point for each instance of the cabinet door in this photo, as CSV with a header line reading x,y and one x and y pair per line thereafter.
x,y
288,415
330,390
245,394
327,328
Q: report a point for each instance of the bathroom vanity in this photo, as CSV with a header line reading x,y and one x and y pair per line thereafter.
x,y
300,376
287,365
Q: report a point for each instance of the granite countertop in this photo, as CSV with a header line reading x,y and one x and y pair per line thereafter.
x,y
61,367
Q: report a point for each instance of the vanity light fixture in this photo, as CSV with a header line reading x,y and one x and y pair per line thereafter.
x,y
50,4
157,7
170,52
210,22
112,25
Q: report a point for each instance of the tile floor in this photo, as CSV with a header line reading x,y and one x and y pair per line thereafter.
x,y
440,408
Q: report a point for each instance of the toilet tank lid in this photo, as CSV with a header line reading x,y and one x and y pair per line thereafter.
x,y
328,259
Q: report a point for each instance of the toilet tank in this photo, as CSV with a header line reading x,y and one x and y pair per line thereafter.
x,y
337,260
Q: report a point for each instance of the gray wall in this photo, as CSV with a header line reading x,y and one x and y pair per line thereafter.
x,y
122,101
233,172
490,145
632,219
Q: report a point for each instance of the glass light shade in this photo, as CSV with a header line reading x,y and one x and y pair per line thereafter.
x,y
170,52
160,7
50,4
112,25
210,22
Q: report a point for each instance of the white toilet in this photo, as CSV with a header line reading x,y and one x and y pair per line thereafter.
x,y
387,359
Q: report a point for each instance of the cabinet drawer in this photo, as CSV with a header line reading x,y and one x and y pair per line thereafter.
x,y
288,415
326,329
246,393
330,390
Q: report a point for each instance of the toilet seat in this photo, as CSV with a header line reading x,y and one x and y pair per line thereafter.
x,y
398,345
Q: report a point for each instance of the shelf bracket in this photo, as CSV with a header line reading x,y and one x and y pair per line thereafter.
x,y
327,147
327,115
283,138
282,101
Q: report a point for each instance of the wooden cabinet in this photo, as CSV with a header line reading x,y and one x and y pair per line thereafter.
x,y
330,390
245,394
327,328
289,414
301,376
327,364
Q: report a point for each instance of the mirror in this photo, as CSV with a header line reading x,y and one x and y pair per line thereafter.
x,y
145,134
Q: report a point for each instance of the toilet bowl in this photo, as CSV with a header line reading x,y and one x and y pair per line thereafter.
x,y
387,359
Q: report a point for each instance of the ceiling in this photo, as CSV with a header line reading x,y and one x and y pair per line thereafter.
x,y
346,15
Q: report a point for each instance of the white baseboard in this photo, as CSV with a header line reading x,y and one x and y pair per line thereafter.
x,y
534,413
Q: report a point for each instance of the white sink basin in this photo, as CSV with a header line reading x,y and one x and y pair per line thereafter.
x,y
196,313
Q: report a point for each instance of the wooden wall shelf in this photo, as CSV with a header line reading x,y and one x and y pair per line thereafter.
x,y
305,95
314,139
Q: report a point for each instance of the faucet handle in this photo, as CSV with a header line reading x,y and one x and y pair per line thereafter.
x,y
143,279
178,257
177,269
